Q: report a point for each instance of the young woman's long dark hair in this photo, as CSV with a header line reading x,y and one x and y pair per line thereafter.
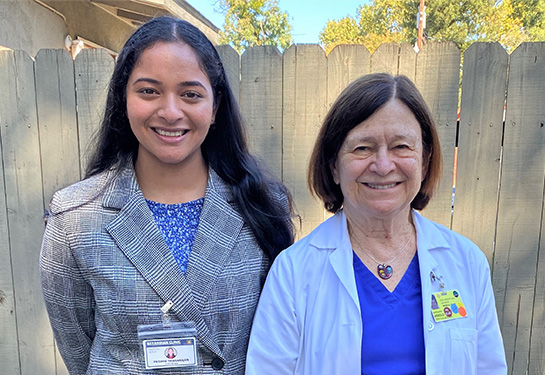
x,y
224,148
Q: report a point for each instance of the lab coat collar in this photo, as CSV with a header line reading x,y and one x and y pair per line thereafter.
x,y
430,240
333,235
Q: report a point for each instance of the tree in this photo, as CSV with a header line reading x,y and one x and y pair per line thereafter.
x,y
375,23
254,23
532,15
463,22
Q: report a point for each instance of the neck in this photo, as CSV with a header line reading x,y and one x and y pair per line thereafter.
x,y
382,239
380,228
171,183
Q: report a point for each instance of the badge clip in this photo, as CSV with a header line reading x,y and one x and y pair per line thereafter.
x,y
166,307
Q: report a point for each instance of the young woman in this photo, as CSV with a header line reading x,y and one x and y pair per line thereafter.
x,y
174,222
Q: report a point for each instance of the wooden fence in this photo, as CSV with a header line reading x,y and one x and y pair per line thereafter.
x,y
50,106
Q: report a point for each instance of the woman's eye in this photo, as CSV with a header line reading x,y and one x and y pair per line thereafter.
x,y
147,91
192,95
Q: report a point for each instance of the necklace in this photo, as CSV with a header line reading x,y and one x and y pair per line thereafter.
x,y
385,269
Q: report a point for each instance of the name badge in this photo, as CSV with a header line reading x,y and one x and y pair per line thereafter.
x,y
169,344
173,352
447,305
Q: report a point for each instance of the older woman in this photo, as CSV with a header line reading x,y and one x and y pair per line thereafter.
x,y
377,288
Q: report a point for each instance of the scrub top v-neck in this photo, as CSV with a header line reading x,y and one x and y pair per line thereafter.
x,y
393,337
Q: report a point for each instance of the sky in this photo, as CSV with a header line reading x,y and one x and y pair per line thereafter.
x,y
307,17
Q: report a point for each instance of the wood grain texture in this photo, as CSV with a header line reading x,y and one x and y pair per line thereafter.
x,y
345,63
305,104
231,63
407,61
385,59
93,70
56,106
521,202
24,204
438,79
537,339
9,350
479,144
261,104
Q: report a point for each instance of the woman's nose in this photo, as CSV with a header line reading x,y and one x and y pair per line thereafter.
x,y
383,163
171,109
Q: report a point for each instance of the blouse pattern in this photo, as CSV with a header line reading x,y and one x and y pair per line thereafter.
x,y
178,223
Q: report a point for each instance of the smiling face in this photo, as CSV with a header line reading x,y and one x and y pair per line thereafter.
x,y
170,106
379,166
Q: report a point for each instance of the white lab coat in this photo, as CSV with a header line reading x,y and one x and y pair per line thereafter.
x,y
308,319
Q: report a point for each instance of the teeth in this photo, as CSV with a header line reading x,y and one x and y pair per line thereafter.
x,y
381,187
170,134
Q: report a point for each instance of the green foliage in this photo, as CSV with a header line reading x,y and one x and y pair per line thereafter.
x,y
254,23
463,22
344,31
532,16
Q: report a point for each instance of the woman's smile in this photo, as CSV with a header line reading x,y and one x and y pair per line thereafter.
x,y
170,106
380,186
379,166
170,133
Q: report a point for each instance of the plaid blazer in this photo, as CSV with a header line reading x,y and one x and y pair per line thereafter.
x,y
105,269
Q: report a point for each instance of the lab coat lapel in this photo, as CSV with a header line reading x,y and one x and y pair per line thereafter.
x,y
335,236
136,234
428,240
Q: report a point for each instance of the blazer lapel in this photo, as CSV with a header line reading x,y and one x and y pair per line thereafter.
x,y
219,227
136,234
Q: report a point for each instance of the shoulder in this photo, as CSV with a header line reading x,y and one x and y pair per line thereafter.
x,y
81,192
315,247
436,236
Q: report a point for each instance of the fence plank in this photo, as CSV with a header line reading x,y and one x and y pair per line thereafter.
x,y
231,63
344,64
23,185
304,103
520,204
407,61
56,107
9,353
385,59
537,343
479,143
261,103
56,104
438,79
93,69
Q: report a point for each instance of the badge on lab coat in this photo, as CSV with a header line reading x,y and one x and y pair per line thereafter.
x,y
447,305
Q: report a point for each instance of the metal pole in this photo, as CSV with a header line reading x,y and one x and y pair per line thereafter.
x,y
420,24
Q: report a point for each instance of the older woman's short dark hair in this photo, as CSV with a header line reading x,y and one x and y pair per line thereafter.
x,y
355,104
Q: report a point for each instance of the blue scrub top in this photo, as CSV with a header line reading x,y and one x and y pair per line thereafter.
x,y
393,336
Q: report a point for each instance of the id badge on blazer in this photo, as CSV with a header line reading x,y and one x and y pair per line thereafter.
x,y
169,344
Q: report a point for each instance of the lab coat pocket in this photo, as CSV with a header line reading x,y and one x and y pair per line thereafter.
x,y
463,350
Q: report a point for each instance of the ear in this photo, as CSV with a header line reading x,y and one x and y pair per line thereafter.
x,y
334,172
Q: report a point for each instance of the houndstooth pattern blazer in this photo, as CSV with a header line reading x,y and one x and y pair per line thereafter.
x,y
105,269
